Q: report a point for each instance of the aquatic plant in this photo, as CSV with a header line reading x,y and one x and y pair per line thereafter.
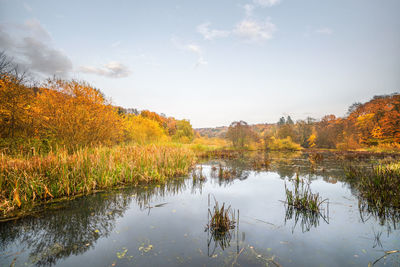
x,y
315,158
305,205
378,191
379,185
302,198
221,219
60,174
220,223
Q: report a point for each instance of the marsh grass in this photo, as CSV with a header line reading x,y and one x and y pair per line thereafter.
x,y
302,198
226,173
378,188
25,181
378,185
315,158
304,205
221,220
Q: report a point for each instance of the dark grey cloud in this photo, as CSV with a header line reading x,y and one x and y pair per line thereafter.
x,y
111,70
44,59
6,42
32,49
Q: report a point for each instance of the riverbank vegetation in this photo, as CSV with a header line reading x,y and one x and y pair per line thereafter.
x,y
378,188
65,137
31,180
372,126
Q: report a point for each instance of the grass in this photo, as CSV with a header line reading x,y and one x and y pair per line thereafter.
x,y
25,181
379,185
302,198
378,190
222,219
220,223
305,205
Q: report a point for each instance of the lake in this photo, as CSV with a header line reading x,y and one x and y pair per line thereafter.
x,y
166,225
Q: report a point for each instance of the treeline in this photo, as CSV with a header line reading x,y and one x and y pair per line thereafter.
x,y
374,124
72,114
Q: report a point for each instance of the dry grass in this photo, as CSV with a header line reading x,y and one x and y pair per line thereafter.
x,y
25,181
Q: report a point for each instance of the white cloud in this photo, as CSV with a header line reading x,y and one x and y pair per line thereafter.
x,y
248,9
324,30
209,34
253,31
200,61
193,48
32,49
267,3
113,69
27,7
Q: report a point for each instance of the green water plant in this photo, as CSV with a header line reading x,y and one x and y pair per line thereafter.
x,y
304,205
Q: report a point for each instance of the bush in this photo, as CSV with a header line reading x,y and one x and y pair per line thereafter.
x,y
282,144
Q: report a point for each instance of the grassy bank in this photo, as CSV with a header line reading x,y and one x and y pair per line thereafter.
x,y
25,181
379,186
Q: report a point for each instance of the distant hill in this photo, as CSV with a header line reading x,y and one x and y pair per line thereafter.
x,y
221,130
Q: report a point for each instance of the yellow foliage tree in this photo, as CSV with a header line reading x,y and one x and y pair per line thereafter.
x,y
143,130
74,113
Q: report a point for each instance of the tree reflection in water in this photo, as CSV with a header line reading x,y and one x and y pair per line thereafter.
x,y
74,226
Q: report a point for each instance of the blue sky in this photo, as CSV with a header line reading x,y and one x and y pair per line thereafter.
x,y
216,61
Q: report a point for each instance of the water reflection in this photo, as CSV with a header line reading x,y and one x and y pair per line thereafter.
x,y
67,230
73,228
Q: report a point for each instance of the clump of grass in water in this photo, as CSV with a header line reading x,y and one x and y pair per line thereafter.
x,y
378,188
302,198
28,180
305,205
226,173
220,223
197,174
314,159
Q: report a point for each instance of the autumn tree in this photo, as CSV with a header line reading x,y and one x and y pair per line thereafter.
x,y
184,132
240,134
75,113
142,130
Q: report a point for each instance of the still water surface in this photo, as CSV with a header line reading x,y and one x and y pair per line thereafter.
x,y
164,225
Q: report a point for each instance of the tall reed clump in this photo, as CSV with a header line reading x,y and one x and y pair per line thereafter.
x,y
378,185
220,223
25,181
304,205
302,198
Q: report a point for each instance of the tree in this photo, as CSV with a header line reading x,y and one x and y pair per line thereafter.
x,y
240,134
15,107
281,121
289,120
75,114
142,130
184,132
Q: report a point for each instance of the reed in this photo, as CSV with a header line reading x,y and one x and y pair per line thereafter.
x,y
378,190
305,206
25,181
302,198
220,223
379,185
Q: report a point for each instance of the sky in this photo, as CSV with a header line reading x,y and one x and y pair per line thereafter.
x,y
213,61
